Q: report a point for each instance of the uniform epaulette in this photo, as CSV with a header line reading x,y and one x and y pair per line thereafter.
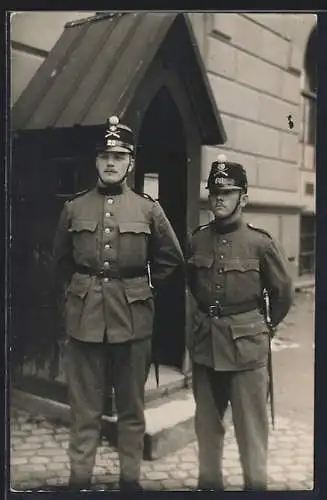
x,y
80,193
199,228
145,195
263,231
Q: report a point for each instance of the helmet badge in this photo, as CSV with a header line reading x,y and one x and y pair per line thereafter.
x,y
221,165
111,133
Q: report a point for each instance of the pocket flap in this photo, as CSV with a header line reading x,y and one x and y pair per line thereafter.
x,y
79,285
247,330
134,227
242,266
139,291
198,260
83,225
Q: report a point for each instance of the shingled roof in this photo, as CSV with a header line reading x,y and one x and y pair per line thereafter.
x,y
97,64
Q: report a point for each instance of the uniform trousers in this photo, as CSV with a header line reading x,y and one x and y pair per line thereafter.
x,y
247,393
87,366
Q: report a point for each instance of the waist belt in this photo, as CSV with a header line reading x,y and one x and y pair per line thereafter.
x,y
218,310
132,272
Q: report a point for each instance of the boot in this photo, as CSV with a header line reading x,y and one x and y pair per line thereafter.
x,y
125,485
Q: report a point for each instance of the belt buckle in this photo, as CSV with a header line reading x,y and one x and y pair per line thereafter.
x,y
215,310
212,311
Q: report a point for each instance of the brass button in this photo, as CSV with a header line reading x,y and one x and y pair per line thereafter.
x,y
107,230
106,264
107,214
106,280
110,201
221,257
107,246
224,241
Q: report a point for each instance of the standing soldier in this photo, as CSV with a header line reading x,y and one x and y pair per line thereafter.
x,y
229,265
105,240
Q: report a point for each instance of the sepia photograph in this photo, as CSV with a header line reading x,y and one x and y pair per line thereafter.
x,y
161,300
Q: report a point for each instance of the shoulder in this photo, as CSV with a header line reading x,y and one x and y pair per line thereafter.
x,y
147,197
77,196
260,231
260,238
200,230
143,197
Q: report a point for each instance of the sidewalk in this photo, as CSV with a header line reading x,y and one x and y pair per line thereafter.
x,y
302,283
39,459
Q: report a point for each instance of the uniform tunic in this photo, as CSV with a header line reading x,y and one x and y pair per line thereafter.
x,y
231,267
120,233
228,267
109,319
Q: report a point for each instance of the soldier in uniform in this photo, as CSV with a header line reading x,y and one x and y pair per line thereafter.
x,y
106,240
229,265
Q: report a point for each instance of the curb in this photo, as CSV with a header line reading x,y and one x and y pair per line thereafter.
x,y
164,436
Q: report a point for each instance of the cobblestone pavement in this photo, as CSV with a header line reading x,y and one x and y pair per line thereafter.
x,y
39,446
39,459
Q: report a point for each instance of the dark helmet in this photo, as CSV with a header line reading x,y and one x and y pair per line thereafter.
x,y
225,175
116,137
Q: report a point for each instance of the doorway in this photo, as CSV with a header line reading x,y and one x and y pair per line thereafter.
x,y
161,164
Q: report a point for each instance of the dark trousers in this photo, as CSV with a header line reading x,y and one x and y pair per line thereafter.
x,y
247,393
87,366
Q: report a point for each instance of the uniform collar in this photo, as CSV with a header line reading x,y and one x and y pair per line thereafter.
x,y
226,228
111,190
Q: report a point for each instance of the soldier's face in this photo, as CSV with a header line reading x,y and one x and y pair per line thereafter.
x,y
113,165
224,202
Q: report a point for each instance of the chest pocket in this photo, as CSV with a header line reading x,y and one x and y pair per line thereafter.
x,y
79,225
242,280
201,261
133,243
84,238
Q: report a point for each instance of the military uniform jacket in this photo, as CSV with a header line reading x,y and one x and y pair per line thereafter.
x,y
232,268
119,232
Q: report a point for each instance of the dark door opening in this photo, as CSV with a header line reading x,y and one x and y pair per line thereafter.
x,y
161,160
40,187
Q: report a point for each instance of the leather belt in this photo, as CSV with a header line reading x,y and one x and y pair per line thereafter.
x,y
133,272
218,310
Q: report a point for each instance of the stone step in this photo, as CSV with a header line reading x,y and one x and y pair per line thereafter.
x,y
306,284
169,421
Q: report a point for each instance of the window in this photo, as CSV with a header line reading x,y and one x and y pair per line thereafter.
x,y
309,189
307,244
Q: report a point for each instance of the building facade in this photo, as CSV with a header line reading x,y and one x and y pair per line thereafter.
x,y
262,71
